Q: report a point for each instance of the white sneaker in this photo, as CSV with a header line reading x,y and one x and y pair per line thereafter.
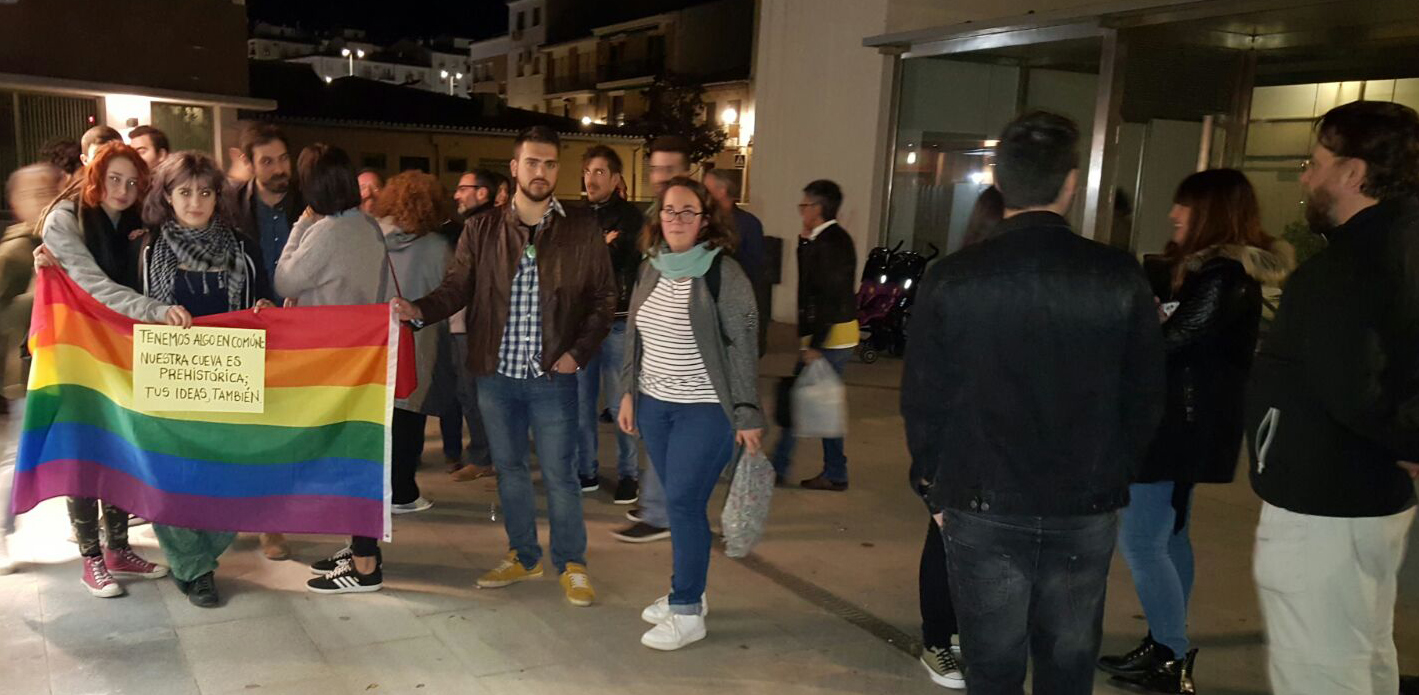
x,y
659,612
417,505
6,564
679,631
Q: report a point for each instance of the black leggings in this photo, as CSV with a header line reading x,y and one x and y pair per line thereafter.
x,y
84,515
938,615
407,447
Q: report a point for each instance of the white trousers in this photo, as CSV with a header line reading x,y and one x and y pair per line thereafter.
x,y
1327,588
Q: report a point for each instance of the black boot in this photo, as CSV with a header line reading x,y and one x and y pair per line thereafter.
x,y
203,592
1173,677
1138,662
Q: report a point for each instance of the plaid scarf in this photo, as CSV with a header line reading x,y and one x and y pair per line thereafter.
x,y
211,250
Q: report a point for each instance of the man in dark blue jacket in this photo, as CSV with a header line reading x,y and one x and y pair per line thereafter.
x,y
1032,387
750,254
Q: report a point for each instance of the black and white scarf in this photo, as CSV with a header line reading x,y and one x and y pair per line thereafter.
x,y
211,250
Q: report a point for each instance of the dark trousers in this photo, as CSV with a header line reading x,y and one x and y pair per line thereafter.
x,y
407,446
84,515
1029,587
938,616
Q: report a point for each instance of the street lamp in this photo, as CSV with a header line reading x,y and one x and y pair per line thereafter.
x,y
357,53
729,116
586,120
455,76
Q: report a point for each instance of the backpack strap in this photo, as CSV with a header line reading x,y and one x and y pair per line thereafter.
x,y
712,277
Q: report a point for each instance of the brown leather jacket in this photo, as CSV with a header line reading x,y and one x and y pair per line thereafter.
x,y
575,283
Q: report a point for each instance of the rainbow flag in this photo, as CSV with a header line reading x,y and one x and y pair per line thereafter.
x,y
316,461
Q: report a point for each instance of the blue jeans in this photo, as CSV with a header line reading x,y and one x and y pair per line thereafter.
x,y
834,459
689,446
1160,560
605,367
1029,587
547,406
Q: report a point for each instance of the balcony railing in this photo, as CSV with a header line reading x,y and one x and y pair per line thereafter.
x,y
570,83
630,69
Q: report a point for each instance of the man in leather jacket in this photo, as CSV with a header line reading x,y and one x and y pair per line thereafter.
x,y
620,223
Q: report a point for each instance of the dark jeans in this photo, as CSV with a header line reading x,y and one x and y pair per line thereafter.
x,y
834,458
407,447
938,616
84,515
605,367
689,446
1029,587
466,407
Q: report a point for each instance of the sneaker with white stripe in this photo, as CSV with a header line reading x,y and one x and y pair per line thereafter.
x,y
345,580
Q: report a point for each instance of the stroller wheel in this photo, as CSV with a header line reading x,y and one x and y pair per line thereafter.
x,y
867,355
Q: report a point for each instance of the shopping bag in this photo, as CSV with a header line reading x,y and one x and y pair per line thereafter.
x,y
746,510
819,403
406,375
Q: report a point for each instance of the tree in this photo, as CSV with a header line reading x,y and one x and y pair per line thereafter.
x,y
675,107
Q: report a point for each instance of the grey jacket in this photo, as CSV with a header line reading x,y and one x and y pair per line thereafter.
x,y
419,263
64,237
337,260
726,332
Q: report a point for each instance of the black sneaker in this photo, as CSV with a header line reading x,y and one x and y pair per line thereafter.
x,y
1143,659
635,515
1172,677
641,532
345,580
591,484
329,564
202,592
628,491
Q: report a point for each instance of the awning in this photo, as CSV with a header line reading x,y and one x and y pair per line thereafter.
x,y
84,88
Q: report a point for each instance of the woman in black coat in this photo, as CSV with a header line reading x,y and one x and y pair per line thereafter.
x,y
1211,312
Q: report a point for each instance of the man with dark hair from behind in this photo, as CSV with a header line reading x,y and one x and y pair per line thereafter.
x,y
827,315
94,138
751,254
620,223
151,143
525,354
1033,384
65,154
1332,406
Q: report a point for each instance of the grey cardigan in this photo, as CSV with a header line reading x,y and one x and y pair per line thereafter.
x,y
727,334
419,263
64,236
337,260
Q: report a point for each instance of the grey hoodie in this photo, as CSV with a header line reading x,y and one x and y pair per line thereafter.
x,y
419,264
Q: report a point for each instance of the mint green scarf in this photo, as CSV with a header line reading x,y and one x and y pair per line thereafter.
x,y
689,264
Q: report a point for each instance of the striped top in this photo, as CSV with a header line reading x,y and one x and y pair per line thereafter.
x,y
671,367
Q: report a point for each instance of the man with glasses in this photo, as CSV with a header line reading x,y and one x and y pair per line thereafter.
x,y
475,192
827,314
474,195
621,226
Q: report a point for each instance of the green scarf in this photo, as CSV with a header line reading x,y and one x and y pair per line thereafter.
x,y
689,264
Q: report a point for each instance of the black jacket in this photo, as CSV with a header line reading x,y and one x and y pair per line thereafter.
x,y
1211,340
242,202
1333,399
620,215
1034,374
827,271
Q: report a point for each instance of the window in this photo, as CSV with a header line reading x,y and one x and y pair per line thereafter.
x,y
618,109
711,112
455,165
375,161
536,16
419,163
537,65
521,21
188,127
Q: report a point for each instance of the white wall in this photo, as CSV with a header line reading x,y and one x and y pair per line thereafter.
x,y
821,108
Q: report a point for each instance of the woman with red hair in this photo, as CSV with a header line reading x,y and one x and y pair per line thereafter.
x,y
88,231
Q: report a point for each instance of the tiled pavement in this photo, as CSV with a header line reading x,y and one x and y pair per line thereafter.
x,y
431,632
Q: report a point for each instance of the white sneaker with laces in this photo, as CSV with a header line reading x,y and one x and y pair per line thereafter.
x,y
659,612
417,505
677,632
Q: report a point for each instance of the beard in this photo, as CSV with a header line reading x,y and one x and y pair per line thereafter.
x,y
1319,204
535,197
276,183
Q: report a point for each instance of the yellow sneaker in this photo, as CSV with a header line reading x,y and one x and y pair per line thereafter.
x,y
509,572
577,585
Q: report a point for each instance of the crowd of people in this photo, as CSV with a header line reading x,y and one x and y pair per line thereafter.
x,y
1060,398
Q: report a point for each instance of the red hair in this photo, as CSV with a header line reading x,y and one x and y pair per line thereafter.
x,y
97,170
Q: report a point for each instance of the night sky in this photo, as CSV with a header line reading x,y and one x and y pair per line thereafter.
x,y
388,21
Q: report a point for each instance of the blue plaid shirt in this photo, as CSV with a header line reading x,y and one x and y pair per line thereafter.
x,y
520,355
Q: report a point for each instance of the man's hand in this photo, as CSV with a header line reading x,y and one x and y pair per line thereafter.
x,y
810,356
405,310
262,304
289,302
612,236
566,364
1409,467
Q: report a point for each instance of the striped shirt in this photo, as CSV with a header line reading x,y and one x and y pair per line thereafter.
x,y
671,367
520,354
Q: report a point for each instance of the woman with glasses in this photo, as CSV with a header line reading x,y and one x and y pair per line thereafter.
x,y
690,378
89,231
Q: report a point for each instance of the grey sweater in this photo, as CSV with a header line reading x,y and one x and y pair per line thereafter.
x,y
64,237
727,334
338,260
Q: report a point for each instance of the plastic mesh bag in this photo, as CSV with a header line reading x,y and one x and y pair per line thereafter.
x,y
746,510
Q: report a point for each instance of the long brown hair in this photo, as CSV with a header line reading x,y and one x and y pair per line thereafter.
x,y
718,233
1224,212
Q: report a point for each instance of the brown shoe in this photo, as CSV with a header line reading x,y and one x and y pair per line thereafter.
x,y
469,473
821,483
273,546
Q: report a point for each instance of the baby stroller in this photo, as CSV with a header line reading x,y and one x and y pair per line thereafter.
x,y
883,318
